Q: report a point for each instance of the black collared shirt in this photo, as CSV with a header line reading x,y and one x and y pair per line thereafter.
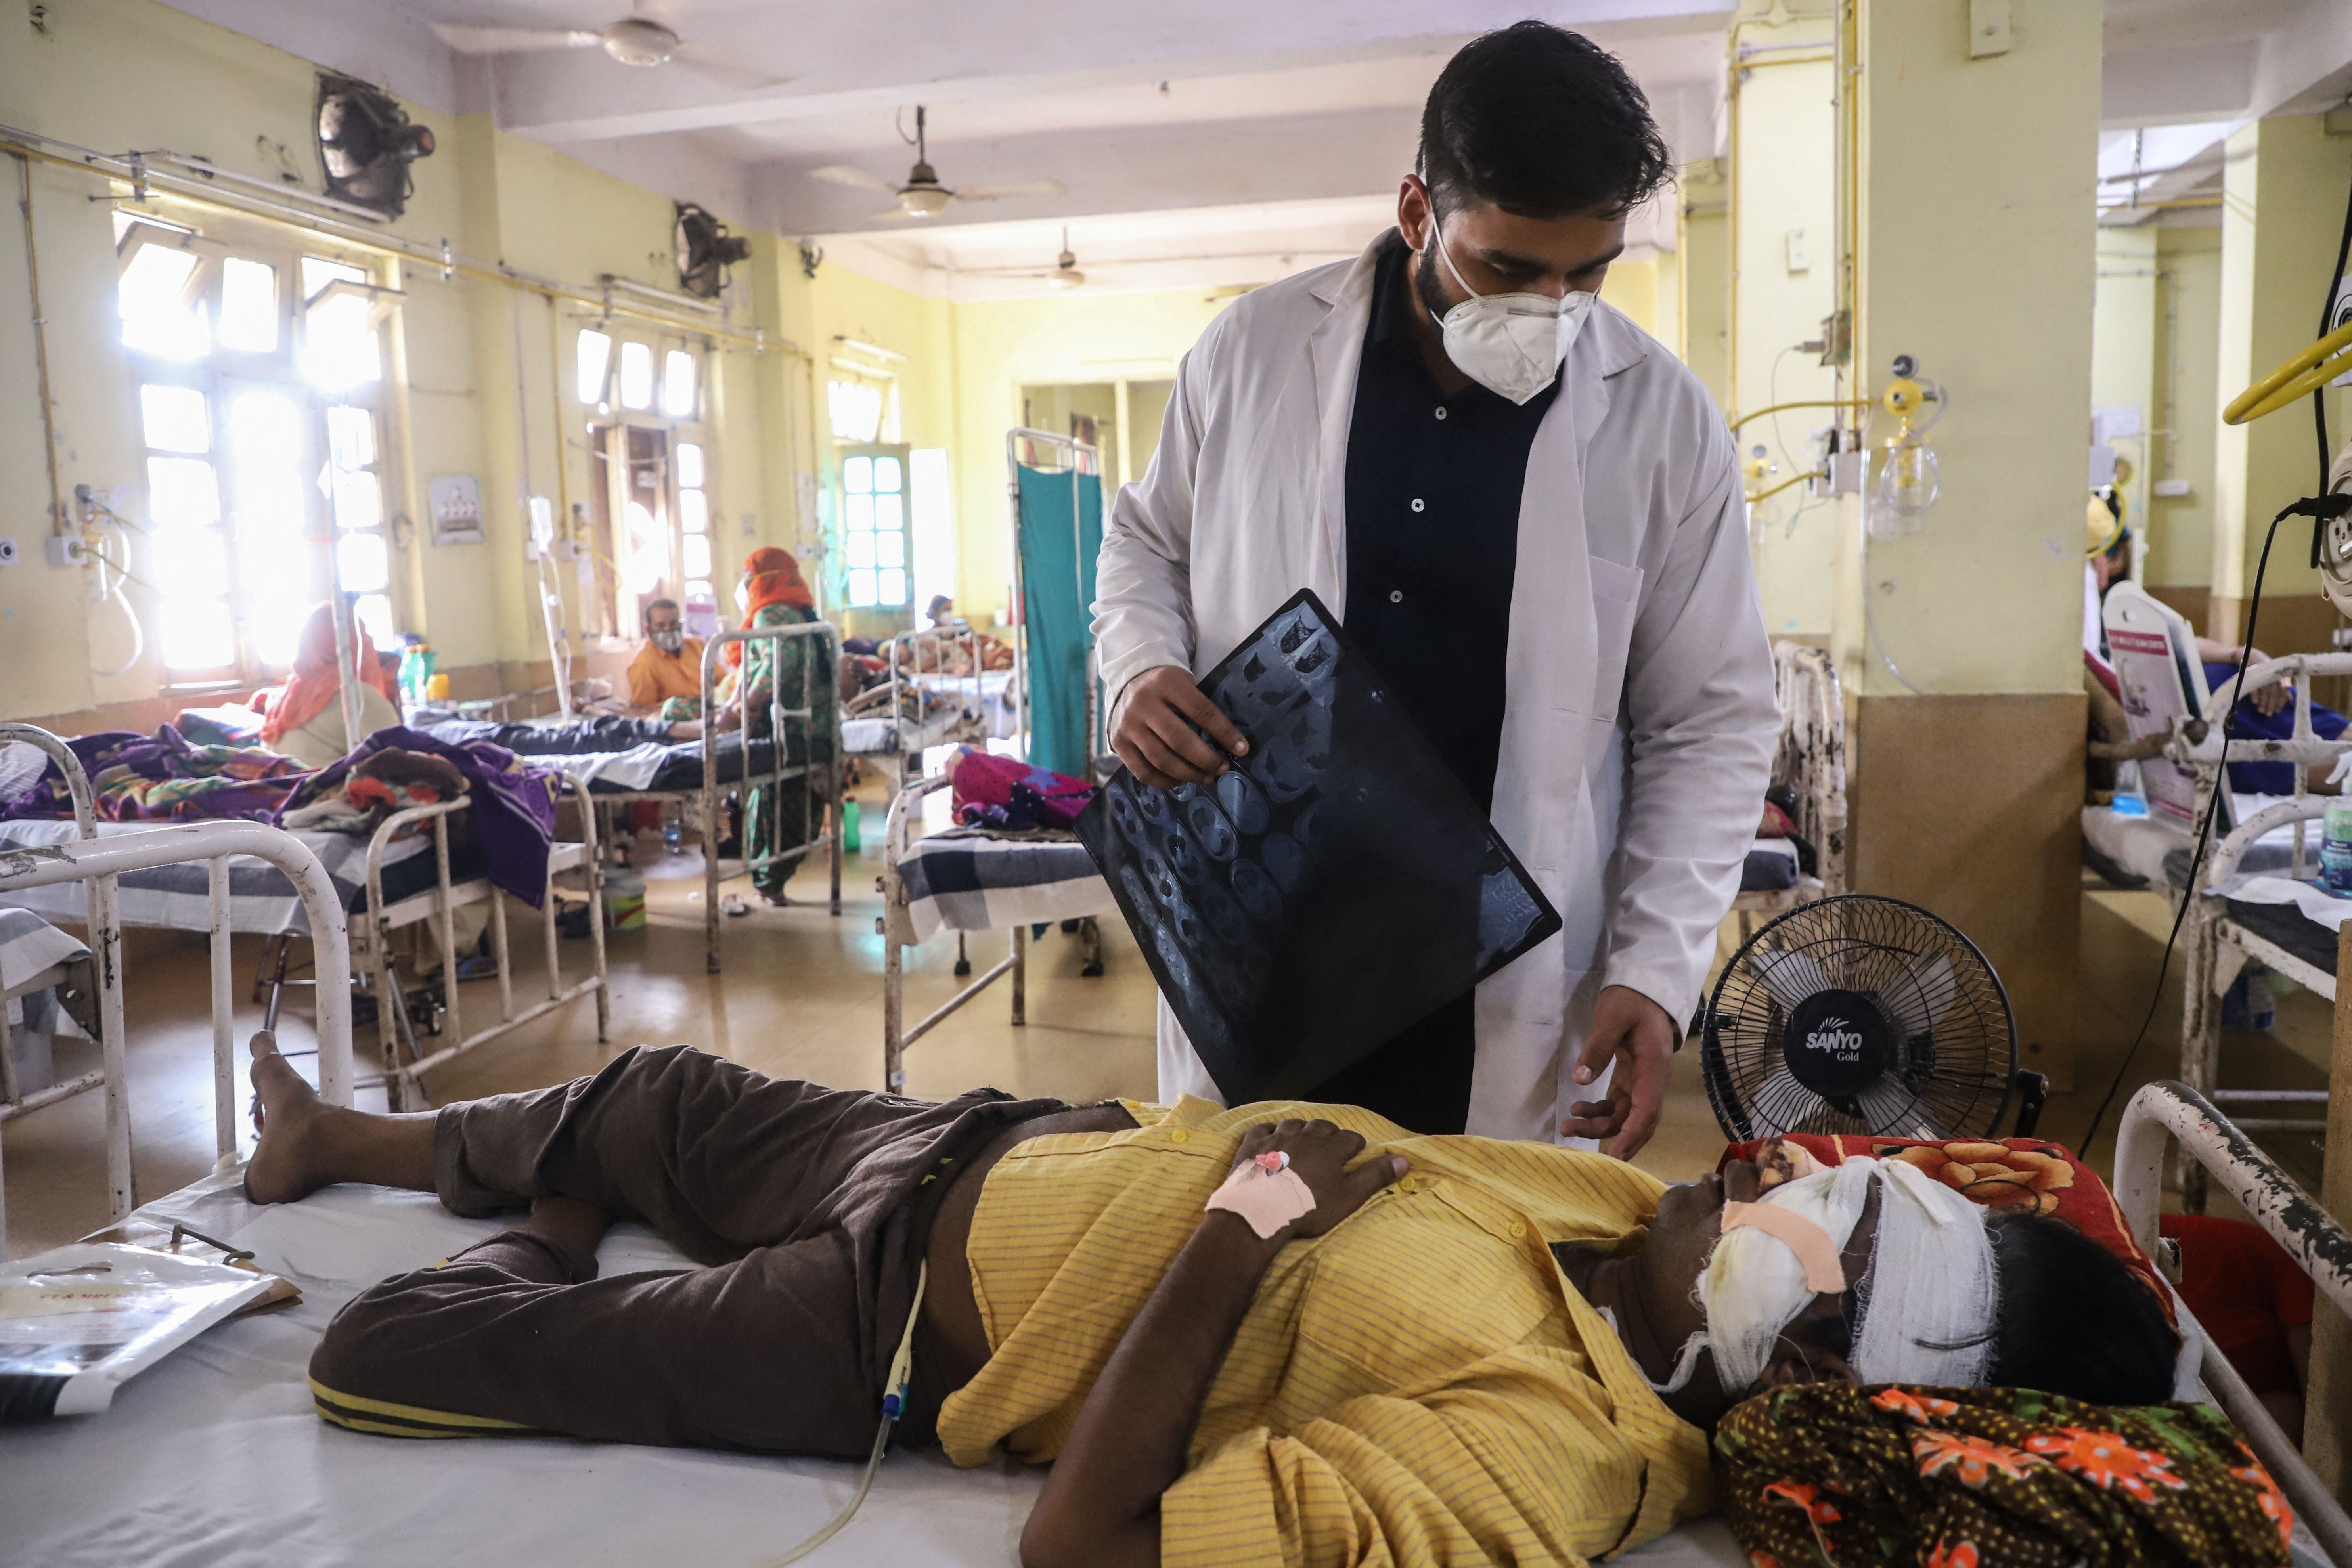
x,y
1434,484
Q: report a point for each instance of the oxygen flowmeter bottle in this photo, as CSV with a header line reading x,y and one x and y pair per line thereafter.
x,y
2335,848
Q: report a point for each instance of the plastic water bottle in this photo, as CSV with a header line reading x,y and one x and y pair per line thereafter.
x,y
673,833
850,844
2335,848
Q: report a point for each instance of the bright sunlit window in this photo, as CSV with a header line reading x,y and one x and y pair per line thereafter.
x,y
338,346
873,530
694,524
263,459
856,411
637,375
678,384
595,357
248,318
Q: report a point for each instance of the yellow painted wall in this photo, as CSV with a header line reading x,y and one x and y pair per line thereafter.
x,y
997,347
2126,300
1987,596
476,389
1782,254
1703,275
2282,201
2189,407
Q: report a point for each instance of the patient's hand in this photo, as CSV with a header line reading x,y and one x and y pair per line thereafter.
x,y
1320,1152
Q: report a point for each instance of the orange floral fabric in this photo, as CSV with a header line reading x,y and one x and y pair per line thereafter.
x,y
1970,1477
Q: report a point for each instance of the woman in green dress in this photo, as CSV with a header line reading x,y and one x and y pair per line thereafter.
x,y
781,818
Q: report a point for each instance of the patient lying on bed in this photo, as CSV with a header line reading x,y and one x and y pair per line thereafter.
x,y
1453,1348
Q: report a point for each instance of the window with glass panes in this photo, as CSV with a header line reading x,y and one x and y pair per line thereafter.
x,y
643,392
874,527
257,372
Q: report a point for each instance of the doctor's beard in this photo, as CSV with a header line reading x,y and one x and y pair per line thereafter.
x,y
1425,287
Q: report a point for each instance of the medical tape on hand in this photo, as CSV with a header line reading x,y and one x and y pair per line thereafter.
x,y
1814,1250
1267,1193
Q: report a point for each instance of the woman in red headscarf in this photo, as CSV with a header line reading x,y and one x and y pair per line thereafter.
x,y
781,818
305,720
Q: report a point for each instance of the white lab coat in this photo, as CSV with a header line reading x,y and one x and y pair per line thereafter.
x,y
1639,721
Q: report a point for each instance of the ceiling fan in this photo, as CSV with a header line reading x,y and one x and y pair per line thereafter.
x,y
922,195
641,38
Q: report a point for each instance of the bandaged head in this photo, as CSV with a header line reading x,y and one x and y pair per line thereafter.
x,y
1925,1304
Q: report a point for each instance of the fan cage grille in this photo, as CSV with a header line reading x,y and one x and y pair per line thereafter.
x,y
1953,1081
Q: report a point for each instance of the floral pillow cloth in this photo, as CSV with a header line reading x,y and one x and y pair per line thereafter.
x,y
1975,1478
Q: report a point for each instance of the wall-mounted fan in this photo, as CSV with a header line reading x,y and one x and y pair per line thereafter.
x,y
366,145
921,195
704,250
1864,1015
641,38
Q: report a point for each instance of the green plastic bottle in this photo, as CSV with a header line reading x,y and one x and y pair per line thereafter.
x,y
849,842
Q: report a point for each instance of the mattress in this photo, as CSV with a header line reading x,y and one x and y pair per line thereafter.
x,y
887,736
2286,926
967,879
611,756
2143,851
213,1458
260,898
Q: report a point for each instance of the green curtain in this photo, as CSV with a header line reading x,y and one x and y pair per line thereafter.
x,y
1060,537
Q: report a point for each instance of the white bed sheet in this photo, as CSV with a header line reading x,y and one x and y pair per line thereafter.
x,y
261,899
215,1458
2139,843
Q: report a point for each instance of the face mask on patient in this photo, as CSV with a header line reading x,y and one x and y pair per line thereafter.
x,y
670,640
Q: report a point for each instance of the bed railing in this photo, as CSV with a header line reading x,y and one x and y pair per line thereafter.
x,y
1812,756
2163,1111
2199,744
96,860
105,942
821,773
404,1082
905,807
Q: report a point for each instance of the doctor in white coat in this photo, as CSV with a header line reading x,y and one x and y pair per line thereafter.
x,y
1625,733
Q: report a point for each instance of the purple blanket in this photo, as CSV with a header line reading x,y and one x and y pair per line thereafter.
x,y
164,777
514,805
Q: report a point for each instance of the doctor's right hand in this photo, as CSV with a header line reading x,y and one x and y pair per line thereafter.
x,y
1155,731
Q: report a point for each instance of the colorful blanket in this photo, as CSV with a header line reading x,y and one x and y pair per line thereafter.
x,y
1972,1477
514,805
1004,793
164,777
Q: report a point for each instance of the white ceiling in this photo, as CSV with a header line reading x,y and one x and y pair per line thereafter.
x,y
1231,131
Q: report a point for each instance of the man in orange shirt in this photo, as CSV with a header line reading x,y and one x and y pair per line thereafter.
x,y
670,665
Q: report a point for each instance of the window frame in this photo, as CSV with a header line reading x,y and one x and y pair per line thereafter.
x,y
607,423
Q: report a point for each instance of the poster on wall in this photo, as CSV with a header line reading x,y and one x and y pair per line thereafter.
x,y
457,500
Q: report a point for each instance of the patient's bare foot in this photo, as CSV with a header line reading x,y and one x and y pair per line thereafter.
x,y
291,1119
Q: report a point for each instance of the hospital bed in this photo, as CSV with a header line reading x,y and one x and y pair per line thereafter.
x,y
1811,762
2250,902
395,878
101,862
923,704
967,882
215,1455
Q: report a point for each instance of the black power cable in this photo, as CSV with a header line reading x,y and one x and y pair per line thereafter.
x,y
2321,509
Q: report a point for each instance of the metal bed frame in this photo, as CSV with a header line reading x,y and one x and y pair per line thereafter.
x,y
1812,761
98,863
906,734
2163,1111
372,946
890,925
824,776
2217,946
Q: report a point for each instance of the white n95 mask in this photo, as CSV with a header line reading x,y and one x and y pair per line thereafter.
x,y
1511,344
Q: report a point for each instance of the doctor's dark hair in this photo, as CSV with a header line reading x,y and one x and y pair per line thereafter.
x,y
2073,1319
1543,122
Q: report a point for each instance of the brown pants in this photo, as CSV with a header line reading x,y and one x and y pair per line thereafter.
x,y
809,1206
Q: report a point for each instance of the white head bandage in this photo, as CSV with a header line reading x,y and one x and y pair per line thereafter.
x,y
1926,1312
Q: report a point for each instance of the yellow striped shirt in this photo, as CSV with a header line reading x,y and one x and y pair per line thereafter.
x,y
1420,1385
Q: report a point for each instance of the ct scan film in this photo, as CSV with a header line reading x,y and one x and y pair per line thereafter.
x,y
1337,886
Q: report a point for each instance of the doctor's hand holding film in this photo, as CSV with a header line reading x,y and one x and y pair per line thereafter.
x,y
1637,1034
1158,729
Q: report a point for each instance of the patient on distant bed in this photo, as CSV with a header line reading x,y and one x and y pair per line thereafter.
x,y
1274,1332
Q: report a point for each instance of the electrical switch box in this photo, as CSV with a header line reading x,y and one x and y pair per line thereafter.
x,y
1800,258
1988,28
68,549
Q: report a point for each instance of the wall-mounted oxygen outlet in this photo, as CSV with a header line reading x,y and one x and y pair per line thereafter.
x,y
7,552
68,549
